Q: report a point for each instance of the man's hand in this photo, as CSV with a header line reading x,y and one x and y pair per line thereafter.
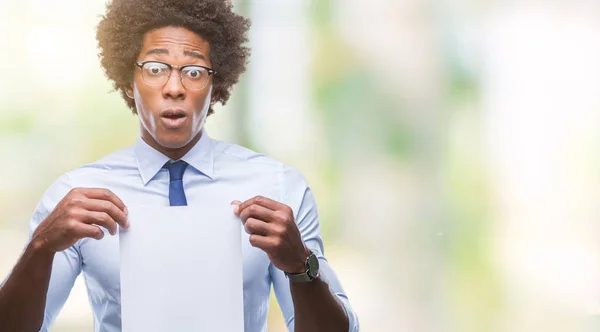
x,y
78,215
272,228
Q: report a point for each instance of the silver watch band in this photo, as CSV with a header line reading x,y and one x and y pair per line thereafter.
x,y
311,273
300,277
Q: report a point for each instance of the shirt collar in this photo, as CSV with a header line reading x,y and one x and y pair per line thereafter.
x,y
150,161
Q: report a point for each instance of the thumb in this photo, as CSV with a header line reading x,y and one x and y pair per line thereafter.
x,y
235,206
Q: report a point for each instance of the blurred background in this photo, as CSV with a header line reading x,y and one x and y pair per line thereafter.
x,y
453,146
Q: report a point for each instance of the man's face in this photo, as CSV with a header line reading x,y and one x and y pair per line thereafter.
x,y
171,115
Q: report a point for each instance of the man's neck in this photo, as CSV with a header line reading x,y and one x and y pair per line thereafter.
x,y
172,153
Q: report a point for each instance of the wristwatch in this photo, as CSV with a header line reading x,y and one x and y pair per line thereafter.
x,y
312,270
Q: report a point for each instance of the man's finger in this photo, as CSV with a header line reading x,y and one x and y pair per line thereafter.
x,y
257,212
101,219
91,231
262,201
261,242
106,195
255,226
108,207
235,206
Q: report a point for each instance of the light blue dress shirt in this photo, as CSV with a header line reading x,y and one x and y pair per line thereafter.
x,y
219,169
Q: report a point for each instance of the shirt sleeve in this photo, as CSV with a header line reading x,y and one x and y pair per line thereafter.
x,y
299,197
67,264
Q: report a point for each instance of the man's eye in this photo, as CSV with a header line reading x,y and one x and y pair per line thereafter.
x,y
154,69
194,73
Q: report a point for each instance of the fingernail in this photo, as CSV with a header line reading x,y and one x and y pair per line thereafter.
x,y
126,210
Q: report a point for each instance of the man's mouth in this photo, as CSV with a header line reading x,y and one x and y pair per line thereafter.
x,y
173,114
173,118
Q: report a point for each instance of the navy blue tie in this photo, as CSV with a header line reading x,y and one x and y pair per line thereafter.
x,y
176,193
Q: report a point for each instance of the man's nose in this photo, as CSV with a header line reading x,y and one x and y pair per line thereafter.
x,y
174,88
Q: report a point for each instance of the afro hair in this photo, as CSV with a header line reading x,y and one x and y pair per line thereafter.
x,y
122,29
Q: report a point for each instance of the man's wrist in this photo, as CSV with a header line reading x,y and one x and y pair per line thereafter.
x,y
310,270
38,247
301,267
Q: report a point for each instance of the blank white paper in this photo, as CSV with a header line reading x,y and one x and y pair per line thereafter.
x,y
181,270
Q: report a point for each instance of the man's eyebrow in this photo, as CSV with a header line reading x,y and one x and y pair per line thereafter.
x,y
194,54
158,51
186,52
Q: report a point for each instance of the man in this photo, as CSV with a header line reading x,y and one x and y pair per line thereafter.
x,y
172,60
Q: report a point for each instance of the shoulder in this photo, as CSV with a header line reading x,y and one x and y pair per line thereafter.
x,y
233,152
120,159
64,183
244,159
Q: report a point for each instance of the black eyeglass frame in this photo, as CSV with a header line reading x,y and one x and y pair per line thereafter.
x,y
210,72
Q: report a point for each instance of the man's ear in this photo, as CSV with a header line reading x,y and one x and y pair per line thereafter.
x,y
214,97
129,91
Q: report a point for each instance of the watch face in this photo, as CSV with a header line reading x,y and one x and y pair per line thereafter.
x,y
313,266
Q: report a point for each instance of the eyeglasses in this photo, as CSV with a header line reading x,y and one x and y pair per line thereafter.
x,y
193,77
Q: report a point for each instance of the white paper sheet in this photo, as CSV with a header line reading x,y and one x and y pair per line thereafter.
x,y
181,270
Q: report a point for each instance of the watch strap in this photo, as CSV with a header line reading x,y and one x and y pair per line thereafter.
x,y
300,277
306,276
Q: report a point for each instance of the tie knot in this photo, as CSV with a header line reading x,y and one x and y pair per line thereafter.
x,y
176,169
